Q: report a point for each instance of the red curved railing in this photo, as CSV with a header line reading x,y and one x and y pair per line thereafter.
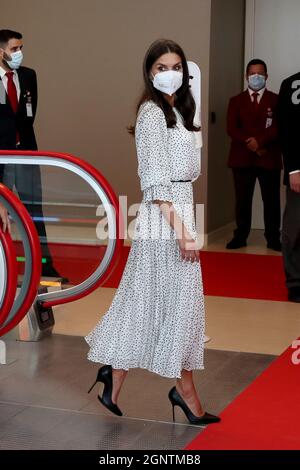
x,y
12,274
36,254
102,181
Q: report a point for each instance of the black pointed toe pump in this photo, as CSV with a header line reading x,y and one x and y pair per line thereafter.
x,y
104,375
176,400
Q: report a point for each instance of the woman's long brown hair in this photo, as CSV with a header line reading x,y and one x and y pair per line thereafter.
x,y
184,101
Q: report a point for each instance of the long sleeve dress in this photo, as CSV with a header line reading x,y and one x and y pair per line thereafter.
x,y
156,319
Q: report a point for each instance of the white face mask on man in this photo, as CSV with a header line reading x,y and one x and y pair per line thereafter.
x,y
16,60
168,82
257,81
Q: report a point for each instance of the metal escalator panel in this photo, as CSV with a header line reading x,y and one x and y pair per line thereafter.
x,y
77,216
3,275
17,307
8,274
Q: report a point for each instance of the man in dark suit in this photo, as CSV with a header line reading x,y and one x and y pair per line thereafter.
x,y
255,154
18,104
289,126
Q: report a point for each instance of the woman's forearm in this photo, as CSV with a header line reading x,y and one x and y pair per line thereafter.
x,y
174,220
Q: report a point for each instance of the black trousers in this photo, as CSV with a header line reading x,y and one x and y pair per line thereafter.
x,y
244,183
291,238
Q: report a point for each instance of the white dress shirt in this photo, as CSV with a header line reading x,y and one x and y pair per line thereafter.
x,y
15,79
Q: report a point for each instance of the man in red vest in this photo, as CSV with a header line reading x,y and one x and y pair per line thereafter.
x,y
255,154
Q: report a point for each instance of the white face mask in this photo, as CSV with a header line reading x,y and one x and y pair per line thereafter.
x,y
257,81
16,60
168,82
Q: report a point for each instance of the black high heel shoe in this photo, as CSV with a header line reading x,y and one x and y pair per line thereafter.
x,y
176,400
105,376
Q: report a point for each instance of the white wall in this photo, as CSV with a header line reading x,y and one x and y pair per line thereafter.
x,y
272,34
88,57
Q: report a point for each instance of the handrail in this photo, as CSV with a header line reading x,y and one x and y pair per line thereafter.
x,y
33,264
104,190
10,271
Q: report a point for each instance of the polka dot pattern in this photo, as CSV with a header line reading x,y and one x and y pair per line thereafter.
x,y
156,319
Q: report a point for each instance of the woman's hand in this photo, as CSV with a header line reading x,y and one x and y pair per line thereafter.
x,y
189,249
4,218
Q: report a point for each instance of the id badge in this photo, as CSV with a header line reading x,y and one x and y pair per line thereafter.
x,y
29,110
269,120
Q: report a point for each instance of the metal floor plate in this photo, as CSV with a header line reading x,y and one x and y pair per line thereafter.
x,y
44,402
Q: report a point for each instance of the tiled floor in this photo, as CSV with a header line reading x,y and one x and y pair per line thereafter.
x,y
257,326
234,324
43,395
44,402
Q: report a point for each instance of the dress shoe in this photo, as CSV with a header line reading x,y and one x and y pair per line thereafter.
x,y
276,246
176,400
236,243
104,375
294,294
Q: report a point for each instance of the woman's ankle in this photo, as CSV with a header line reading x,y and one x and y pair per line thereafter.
x,y
119,376
185,387
119,373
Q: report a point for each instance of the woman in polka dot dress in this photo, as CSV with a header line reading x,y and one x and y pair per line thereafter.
x,y
156,319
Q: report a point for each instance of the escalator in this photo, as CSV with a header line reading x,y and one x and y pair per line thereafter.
x,y
84,229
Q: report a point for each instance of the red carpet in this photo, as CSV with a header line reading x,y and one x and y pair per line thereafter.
x,y
224,274
263,417
243,275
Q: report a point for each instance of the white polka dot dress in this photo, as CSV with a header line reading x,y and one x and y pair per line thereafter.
x,y
156,319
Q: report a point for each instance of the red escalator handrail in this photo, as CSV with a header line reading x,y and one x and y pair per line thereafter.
x,y
36,254
12,274
102,181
